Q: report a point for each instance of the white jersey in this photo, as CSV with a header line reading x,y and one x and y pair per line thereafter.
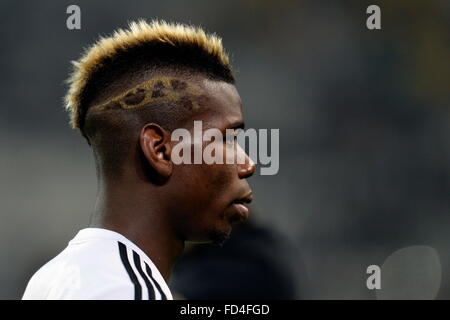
x,y
99,264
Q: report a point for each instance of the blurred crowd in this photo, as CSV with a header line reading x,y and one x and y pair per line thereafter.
x,y
364,119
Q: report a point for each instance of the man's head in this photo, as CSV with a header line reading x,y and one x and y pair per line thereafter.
x,y
130,91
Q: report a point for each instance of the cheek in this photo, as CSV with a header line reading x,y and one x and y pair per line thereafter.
x,y
203,189
205,194
204,185
215,183
220,176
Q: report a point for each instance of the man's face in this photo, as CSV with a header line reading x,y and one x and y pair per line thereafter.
x,y
209,198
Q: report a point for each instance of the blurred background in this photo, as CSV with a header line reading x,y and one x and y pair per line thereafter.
x,y
364,119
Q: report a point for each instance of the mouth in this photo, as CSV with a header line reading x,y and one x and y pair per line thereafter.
x,y
240,207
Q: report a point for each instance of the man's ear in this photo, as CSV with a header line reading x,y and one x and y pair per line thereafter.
x,y
156,146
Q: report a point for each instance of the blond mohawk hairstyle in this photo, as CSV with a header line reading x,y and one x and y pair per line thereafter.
x,y
139,33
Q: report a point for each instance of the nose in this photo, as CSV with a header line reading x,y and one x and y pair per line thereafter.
x,y
247,169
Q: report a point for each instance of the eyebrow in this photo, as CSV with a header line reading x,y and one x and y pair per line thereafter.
x,y
237,125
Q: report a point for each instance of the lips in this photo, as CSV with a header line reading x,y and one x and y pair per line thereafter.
x,y
240,208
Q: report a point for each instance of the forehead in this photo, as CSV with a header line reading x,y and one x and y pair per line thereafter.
x,y
224,105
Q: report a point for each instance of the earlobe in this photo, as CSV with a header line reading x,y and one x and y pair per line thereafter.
x,y
156,146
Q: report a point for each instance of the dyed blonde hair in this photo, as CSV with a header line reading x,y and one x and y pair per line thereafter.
x,y
123,40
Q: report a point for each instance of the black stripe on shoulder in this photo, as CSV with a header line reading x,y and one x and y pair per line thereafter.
x,y
131,274
149,271
137,264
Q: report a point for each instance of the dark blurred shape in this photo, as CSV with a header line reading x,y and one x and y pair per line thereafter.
x,y
255,263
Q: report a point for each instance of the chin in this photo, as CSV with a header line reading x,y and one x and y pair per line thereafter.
x,y
219,237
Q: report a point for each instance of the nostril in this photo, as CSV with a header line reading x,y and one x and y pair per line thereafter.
x,y
247,171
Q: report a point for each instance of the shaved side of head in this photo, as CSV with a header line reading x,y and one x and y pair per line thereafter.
x,y
151,72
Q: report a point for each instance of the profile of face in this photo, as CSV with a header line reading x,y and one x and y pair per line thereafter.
x,y
209,198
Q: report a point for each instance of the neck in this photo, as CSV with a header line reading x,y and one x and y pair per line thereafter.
x,y
136,212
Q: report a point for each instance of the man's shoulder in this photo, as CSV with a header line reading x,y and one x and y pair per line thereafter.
x,y
99,264
85,269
